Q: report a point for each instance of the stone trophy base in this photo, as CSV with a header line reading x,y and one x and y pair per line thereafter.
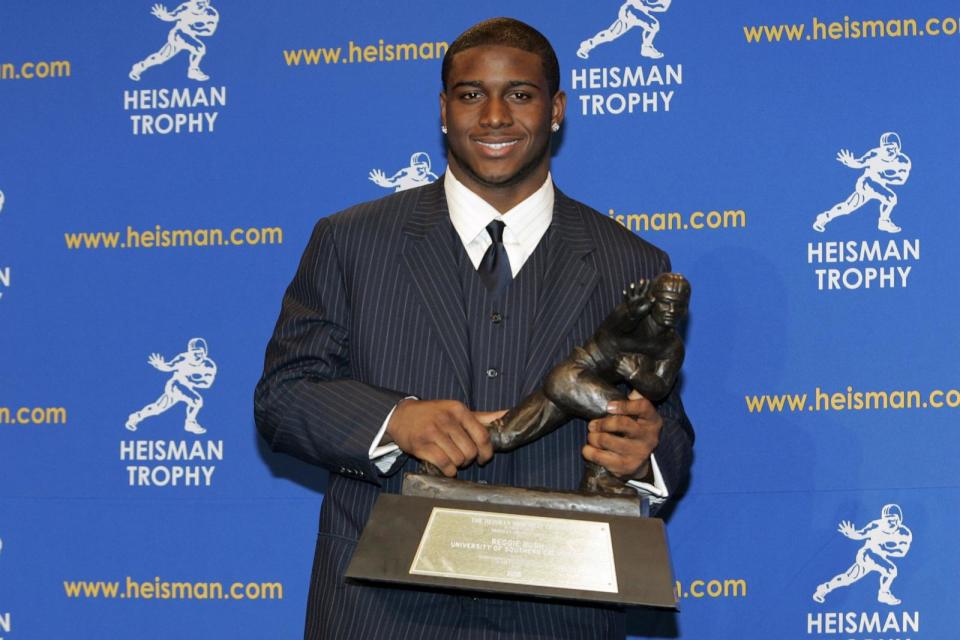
x,y
451,534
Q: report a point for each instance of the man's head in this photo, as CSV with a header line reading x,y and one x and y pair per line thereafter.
x,y
671,297
499,103
506,32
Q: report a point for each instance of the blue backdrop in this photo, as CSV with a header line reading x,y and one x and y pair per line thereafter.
x,y
142,207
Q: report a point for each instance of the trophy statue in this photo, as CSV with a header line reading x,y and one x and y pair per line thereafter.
x,y
637,347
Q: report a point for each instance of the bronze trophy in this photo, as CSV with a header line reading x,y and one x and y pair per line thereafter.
x,y
592,544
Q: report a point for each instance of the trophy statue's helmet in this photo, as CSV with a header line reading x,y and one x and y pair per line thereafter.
x,y
672,282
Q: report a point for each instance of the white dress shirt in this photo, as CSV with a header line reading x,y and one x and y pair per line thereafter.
x,y
524,227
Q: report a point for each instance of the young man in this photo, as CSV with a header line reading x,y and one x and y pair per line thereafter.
x,y
481,283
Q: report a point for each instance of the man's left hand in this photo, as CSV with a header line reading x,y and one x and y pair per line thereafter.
x,y
623,441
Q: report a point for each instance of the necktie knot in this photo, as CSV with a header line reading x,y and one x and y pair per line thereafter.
x,y
495,229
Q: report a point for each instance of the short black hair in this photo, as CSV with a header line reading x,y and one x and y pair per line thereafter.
x,y
507,32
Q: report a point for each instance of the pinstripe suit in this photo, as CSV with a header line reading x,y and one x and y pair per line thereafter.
x,y
378,310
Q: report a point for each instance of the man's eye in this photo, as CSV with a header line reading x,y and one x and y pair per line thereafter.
x,y
470,95
520,95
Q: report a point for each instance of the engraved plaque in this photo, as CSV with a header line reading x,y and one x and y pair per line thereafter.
x,y
517,549
524,551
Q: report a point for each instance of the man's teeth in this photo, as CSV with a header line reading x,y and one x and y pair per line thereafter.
x,y
498,145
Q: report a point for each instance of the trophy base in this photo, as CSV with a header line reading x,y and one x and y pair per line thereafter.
x,y
493,539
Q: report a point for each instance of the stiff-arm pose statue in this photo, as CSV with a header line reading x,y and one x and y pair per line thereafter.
x,y
637,345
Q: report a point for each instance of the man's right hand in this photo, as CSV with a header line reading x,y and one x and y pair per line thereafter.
x,y
444,433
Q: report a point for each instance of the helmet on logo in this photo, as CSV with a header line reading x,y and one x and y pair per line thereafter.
x,y
890,138
197,344
892,510
420,158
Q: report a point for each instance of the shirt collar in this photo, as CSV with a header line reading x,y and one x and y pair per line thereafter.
x,y
526,222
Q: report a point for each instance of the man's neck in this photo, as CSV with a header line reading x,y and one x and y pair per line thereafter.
x,y
502,198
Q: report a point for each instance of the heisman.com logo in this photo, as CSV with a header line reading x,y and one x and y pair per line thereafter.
x,y
634,88
882,544
163,462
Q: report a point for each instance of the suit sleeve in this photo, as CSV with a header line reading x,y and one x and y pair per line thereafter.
x,y
307,403
675,451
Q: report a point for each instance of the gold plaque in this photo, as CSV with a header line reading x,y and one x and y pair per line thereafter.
x,y
517,549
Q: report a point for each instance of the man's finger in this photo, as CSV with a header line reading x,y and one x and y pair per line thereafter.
x,y
486,417
609,461
618,424
639,408
466,449
477,431
434,454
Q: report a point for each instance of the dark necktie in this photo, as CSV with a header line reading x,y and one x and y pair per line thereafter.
x,y
494,267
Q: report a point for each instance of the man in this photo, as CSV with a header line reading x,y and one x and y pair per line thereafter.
x,y
406,316
191,370
885,538
416,175
194,20
883,166
633,13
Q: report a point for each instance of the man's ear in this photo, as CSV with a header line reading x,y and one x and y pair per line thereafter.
x,y
559,107
443,109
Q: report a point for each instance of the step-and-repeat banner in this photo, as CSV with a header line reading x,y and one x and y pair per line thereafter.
x,y
162,167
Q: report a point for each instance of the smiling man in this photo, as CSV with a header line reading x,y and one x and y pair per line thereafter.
x,y
413,320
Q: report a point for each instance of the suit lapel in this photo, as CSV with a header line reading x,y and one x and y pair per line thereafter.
x,y
429,258
569,281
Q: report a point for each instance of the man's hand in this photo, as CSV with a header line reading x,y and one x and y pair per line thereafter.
x,y
444,433
623,441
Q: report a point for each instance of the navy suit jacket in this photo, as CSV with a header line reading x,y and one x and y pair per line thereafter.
x,y
375,313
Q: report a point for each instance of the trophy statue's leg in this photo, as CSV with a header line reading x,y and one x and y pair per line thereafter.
x,y
596,479
536,416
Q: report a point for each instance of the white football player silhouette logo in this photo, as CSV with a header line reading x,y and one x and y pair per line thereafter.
x,y
883,166
192,370
885,538
194,19
633,13
416,175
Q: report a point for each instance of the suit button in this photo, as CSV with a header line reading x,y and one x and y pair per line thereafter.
x,y
492,373
496,317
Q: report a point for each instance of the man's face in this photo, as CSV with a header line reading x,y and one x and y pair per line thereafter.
x,y
198,354
498,111
669,307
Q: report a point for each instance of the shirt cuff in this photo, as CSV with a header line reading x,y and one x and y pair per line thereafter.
x,y
384,456
656,492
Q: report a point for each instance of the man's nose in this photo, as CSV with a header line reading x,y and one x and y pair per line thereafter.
x,y
496,114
